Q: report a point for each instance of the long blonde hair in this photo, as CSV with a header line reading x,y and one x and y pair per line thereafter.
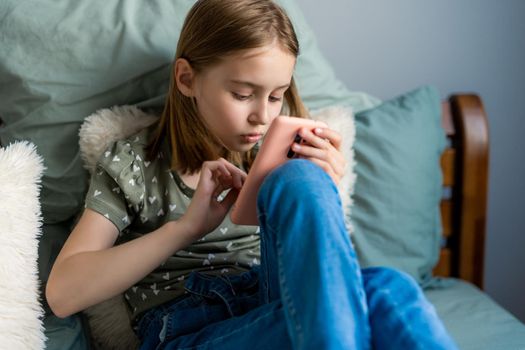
x,y
214,29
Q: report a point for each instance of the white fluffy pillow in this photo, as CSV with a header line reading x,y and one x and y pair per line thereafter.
x,y
109,321
341,119
106,126
21,313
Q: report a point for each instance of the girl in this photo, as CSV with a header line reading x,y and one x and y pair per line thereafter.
x,y
192,279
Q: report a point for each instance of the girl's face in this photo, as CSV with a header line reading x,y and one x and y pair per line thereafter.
x,y
240,96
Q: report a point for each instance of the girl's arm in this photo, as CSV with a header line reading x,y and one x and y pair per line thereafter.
x,y
89,269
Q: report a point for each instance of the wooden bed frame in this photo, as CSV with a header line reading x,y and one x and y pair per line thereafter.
x,y
465,174
465,165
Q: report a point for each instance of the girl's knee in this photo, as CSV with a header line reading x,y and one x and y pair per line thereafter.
x,y
389,278
298,189
292,170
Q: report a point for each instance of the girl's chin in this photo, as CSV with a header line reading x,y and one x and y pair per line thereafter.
x,y
243,147
239,145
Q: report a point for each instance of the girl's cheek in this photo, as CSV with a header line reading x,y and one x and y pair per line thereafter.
x,y
279,108
231,106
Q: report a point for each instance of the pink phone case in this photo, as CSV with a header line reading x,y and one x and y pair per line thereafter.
x,y
274,151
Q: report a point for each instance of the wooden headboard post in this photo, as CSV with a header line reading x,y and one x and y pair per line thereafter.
x,y
472,127
465,165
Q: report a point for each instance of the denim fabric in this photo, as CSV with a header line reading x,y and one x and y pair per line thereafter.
x,y
308,293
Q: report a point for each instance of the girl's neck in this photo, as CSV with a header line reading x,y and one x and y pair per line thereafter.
x,y
190,180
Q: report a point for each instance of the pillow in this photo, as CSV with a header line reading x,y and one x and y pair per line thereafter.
x,y
396,197
70,60
20,226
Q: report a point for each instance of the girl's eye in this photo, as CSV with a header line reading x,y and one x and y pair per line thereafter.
x,y
274,99
240,97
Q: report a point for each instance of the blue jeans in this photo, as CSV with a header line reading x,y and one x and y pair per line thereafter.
x,y
309,291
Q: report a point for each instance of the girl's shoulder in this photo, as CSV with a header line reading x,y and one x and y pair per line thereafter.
x,y
129,153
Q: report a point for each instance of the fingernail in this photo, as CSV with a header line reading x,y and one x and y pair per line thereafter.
x,y
318,130
296,146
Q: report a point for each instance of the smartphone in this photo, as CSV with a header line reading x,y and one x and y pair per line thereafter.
x,y
274,151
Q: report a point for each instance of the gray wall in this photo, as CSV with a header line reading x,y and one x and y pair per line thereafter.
x,y
387,47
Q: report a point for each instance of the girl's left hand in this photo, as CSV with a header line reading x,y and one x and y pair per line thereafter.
x,y
323,147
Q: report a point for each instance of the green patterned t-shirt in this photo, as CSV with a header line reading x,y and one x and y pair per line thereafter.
x,y
139,196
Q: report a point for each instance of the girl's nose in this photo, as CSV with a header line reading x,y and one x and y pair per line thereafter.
x,y
260,114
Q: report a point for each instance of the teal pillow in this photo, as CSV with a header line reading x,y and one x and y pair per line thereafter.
x,y
71,59
77,57
399,183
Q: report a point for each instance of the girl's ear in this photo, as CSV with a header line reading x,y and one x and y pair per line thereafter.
x,y
184,77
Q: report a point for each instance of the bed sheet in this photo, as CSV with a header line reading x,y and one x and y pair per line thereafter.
x,y
474,320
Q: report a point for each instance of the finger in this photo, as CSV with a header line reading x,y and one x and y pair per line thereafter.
x,y
218,190
224,182
238,175
333,156
212,170
210,179
236,181
312,139
307,151
339,170
223,170
338,162
232,168
223,177
332,136
220,175
332,161
230,199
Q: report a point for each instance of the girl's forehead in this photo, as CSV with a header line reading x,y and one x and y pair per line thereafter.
x,y
268,63
269,48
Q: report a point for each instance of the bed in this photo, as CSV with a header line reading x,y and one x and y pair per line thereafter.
x,y
421,157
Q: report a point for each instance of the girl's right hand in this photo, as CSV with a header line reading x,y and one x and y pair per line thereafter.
x,y
206,211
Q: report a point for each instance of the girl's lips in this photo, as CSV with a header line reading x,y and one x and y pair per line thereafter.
x,y
251,138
